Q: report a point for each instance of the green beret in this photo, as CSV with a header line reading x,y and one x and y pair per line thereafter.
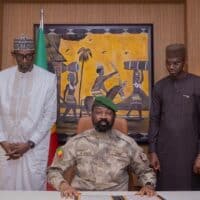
x,y
105,101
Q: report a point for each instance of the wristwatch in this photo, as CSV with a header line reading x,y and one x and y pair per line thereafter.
x,y
31,144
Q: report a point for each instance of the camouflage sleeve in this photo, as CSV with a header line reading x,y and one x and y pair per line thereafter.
x,y
63,159
140,166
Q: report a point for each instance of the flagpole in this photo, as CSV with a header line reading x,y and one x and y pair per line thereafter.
x,y
42,19
41,61
41,54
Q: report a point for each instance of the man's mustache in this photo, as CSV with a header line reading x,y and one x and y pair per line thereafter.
x,y
103,122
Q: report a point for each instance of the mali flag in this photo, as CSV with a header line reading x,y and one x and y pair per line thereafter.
x,y
41,61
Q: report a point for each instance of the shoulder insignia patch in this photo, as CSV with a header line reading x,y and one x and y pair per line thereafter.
x,y
59,153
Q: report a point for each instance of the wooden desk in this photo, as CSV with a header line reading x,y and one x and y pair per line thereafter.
x,y
45,195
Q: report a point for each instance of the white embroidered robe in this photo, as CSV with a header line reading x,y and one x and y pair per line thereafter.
x,y
28,104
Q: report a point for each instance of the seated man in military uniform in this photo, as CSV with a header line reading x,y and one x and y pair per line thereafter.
x,y
102,156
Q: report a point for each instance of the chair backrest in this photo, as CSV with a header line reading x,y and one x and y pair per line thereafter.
x,y
85,123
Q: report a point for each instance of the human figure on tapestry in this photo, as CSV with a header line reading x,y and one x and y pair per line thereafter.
x,y
98,87
137,100
69,94
138,94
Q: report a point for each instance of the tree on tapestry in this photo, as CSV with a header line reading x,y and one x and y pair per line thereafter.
x,y
84,55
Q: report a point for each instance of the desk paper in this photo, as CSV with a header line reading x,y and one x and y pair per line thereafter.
x,y
109,197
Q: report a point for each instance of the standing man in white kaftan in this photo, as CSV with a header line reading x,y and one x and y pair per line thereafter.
x,y
28,107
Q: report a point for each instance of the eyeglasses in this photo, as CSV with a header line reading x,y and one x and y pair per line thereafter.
x,y
20,56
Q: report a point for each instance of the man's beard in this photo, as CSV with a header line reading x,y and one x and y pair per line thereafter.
x,y
103,125
25,67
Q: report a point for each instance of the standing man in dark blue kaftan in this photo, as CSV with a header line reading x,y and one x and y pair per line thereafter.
x,y
174,125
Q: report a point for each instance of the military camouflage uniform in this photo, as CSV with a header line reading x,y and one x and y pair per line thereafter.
x,y
102,160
